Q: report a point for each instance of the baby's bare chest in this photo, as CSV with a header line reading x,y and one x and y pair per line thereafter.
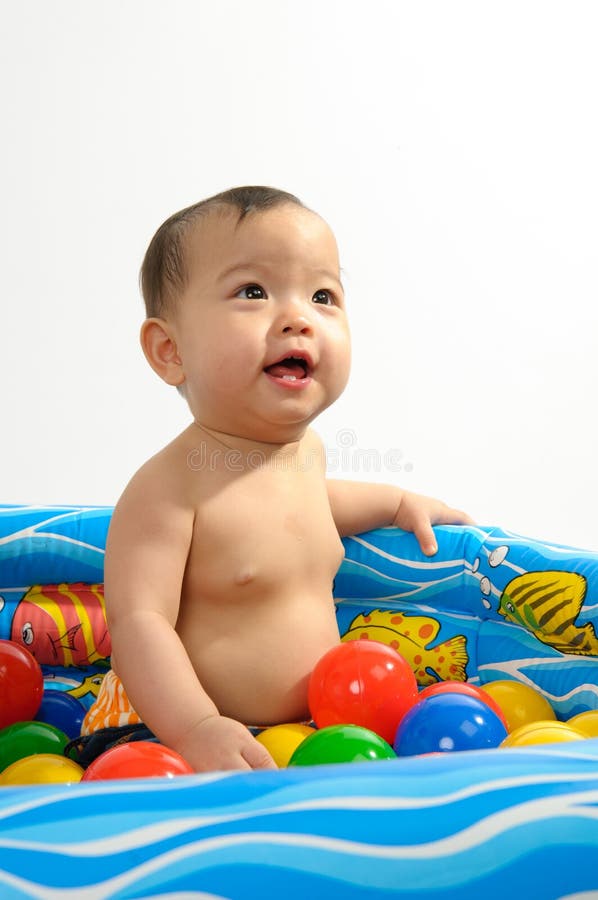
x,y
263,532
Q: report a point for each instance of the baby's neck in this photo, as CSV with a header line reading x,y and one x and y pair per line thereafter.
x,y
241,444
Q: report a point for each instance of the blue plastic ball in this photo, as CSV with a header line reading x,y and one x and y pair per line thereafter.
x,y
62,711
445,722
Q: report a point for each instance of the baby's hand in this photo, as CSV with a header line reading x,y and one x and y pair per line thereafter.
x,y
221,744
417,513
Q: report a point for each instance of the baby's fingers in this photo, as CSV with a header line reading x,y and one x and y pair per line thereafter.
x,y
424,533
257,757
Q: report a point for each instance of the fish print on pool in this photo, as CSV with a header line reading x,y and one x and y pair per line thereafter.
x,y
413,637
63,624
548,604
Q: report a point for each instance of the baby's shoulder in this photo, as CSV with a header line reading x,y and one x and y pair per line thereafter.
x,y
162,479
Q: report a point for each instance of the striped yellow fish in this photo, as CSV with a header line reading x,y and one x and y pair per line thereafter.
x,y
411,636
547,604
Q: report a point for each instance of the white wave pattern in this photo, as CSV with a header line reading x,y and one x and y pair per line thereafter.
x,y
37,800
556,549
408,563
188,895
584,895
514,668
355,861
148,834
588,608
419,587
33,531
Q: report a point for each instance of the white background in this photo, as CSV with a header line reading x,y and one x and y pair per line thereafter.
x,y
453,148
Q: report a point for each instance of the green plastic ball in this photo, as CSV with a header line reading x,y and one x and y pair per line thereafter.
x,y
341,744
27,738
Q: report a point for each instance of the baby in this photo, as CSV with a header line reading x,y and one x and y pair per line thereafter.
x,y
222,549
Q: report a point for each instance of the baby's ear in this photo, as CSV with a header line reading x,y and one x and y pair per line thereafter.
x,y
159,347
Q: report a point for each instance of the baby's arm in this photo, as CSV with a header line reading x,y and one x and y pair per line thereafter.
x,y
360,506
146,553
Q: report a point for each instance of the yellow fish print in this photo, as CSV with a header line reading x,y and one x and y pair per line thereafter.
x,y
411,636
547,604
90,685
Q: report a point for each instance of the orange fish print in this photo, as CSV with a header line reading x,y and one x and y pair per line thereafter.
x,y
63,624
411,636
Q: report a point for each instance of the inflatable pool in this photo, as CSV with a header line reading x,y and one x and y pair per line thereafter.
x,y
493,823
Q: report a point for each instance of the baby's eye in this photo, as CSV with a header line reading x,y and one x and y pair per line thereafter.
x,y
251,292
323,296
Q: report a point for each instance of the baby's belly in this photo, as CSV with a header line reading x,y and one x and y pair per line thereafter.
x,y
256,668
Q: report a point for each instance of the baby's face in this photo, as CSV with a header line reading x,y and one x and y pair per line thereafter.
x,y
261,328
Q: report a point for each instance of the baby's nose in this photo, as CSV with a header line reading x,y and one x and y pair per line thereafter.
x,y
299,325
294,319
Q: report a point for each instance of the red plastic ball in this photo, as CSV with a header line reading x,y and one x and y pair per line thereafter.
x,y
460,687
21,684
137,759
362,683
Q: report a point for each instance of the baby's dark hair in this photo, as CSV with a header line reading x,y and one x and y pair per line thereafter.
x,y
163,271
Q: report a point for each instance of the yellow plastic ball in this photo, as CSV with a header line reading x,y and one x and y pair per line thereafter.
x,y
281,741
542,732
42,768
586,722
520,704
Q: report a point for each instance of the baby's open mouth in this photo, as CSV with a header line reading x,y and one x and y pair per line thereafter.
x,y
292,368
